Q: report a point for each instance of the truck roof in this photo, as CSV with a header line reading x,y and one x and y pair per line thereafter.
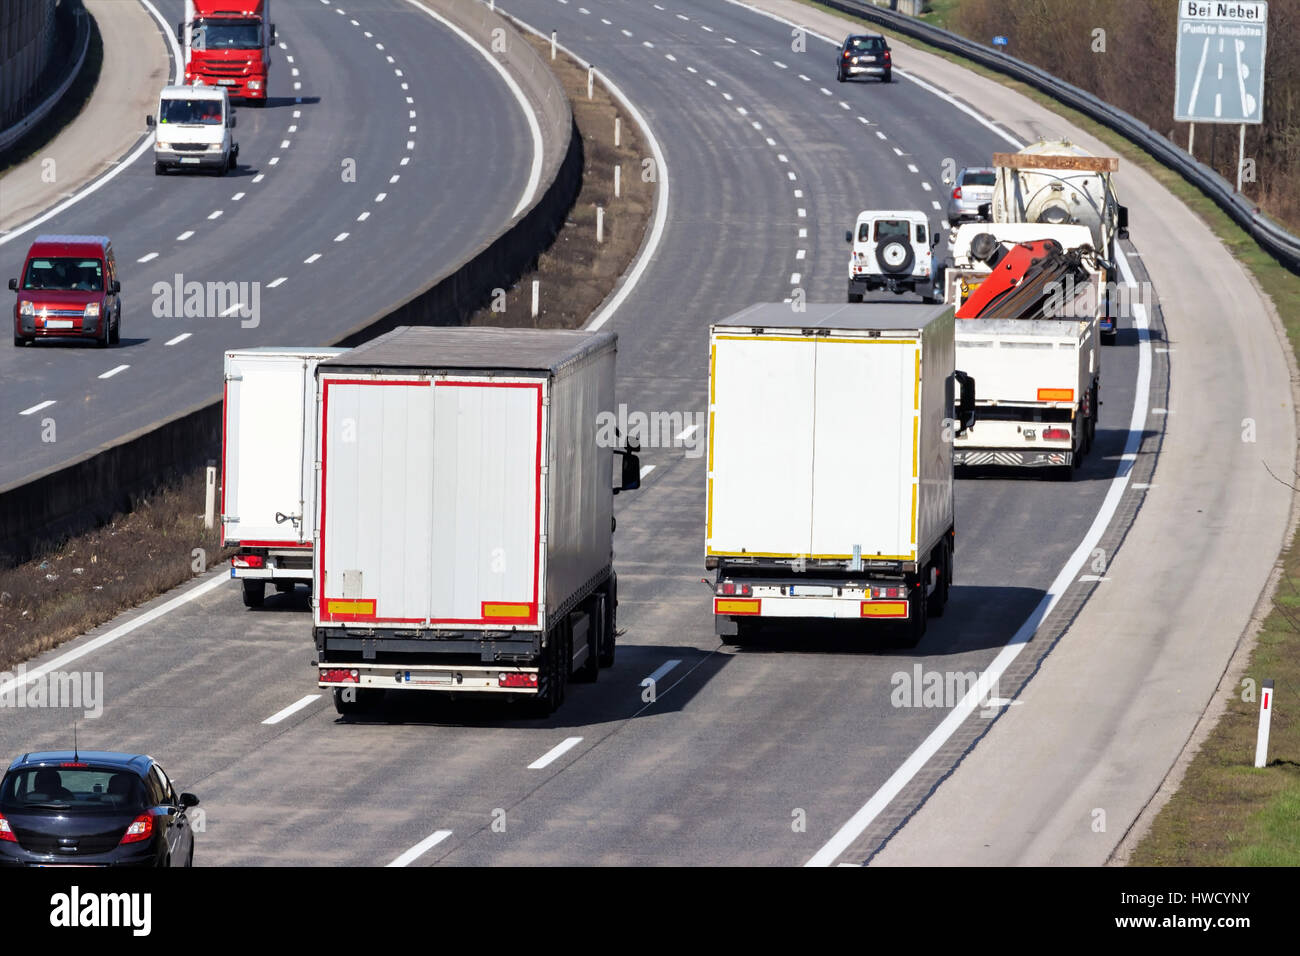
x,y
437,348
885,316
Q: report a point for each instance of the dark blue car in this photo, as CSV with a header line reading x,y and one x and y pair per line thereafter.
x,y
93,808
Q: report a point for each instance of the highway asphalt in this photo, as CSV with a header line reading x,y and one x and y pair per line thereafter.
x,y
389,149
750,756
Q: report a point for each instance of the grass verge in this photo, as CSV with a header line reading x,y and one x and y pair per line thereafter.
x,y
141,554
1225,812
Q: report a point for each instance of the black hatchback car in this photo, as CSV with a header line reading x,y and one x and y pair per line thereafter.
x,y
864,55
93,808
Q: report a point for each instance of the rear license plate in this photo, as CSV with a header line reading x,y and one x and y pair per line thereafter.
x,y
58,323
190,160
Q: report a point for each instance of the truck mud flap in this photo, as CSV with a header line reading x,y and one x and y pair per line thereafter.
x,y
1015,459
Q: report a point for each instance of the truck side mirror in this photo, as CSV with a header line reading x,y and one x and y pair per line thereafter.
x,y
630,472
271,41
848,235
966,403
1121,221
180,33
149,121
232,121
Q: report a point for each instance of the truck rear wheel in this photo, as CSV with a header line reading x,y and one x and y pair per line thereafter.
x,y
936,602
254,593
914,629
590,669
354,701
610,629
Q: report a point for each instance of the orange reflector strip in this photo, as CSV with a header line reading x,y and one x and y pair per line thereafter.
x,y
360,608
884,609
507,610
728,606
1056,394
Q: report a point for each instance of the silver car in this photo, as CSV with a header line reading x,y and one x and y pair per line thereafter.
x,y
973,188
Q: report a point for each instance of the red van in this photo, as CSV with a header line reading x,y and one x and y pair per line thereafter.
x,y
69,288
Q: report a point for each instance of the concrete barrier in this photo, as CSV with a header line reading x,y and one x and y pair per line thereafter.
x,y
39,512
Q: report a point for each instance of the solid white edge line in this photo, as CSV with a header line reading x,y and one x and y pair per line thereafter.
x,y
415,852
555,753
292,709
117,169
647,251
858,823
218,579
534,127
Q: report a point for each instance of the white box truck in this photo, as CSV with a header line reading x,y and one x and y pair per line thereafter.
x,y
464,533
268,454
830,476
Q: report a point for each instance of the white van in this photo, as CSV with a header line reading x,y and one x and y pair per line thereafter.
x,y
192,129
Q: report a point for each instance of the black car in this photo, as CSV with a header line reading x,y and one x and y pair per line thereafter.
x,y
93,809
864,55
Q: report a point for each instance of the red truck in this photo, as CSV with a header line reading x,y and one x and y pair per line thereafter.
x,y
228,43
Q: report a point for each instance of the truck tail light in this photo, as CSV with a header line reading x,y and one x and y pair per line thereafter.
x,y
889,592
731,589
517,680
141,829
956,193
1056,434
248,561
5,832
339,675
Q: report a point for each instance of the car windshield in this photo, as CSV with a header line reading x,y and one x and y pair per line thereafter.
x,y
977,179
201,112
76,787
866,44
891,228
64,275
235,35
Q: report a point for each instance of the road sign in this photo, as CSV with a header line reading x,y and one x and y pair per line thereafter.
x,y
1000,41
1219,67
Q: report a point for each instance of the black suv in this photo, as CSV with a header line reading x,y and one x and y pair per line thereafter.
x,y
93,809
864,55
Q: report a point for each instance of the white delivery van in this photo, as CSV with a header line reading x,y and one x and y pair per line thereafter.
x,y
192,130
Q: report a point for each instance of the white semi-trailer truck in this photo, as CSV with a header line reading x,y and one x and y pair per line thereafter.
x,y
464,533
268,453
830,475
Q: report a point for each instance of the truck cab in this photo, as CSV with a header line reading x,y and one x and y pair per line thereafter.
x,y
193,130
893,250
227,43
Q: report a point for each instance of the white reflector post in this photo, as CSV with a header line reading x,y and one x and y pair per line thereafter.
x,y
210,504
600,223
537,288
552,44
591,82
618,130
1265,714
618,175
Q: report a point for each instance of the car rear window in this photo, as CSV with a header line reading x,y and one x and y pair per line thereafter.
x,y
869,44
71,788
891,228
64,274
977,179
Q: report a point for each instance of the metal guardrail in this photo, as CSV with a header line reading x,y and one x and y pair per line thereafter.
x,y
20,129
1275,240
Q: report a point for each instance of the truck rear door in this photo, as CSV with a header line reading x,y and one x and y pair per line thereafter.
x,y
430,501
